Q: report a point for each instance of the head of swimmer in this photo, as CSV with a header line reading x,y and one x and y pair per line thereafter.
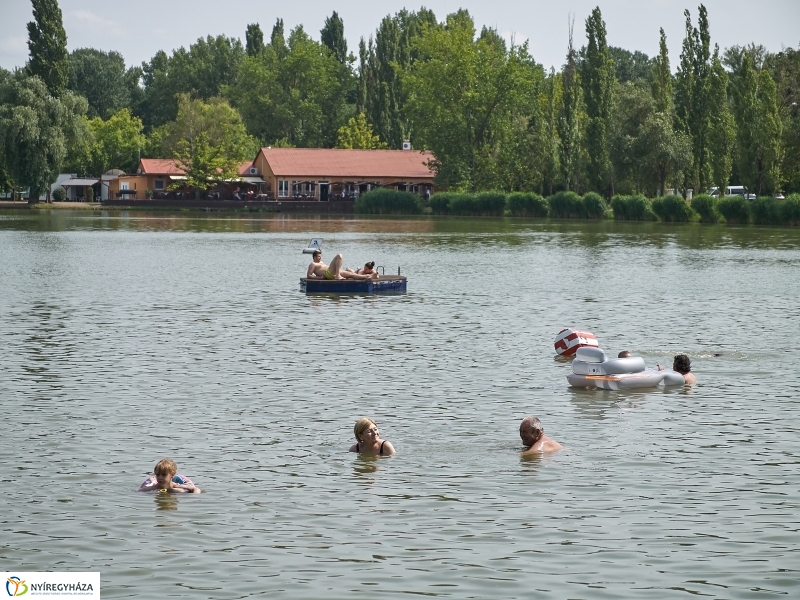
x,y
366,430
317,255
530,430
368,267
625,354
681,364
164,471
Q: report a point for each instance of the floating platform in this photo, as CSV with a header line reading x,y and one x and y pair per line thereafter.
x,y
386,284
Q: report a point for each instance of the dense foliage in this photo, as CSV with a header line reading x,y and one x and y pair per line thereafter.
x,y
612,122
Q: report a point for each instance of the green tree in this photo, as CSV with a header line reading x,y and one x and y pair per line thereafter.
x,y
661,86
630,66
381,94
570,121
784,67
204,71
36,131
664,151
219,123
357,133
332,35
116,142
598,82
277,40
204,163
300,98
100,78
632,110
463,94
721,133
758,127
47,42
254,39
547,140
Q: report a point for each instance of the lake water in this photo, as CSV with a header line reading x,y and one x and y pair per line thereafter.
x,y
129,337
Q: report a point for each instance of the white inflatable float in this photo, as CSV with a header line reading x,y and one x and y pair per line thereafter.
x,y
591,368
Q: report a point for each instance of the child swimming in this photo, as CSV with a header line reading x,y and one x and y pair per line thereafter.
x,y
167,479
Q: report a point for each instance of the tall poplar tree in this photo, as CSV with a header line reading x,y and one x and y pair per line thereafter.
x,y
598,82
721,126
278,40
700,114
569,122
47,42
758,127
661,86
332,35
254,38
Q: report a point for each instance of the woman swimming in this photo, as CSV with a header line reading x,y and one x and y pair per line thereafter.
x,y
368,439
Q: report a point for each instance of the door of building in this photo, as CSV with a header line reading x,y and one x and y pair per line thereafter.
x,y
323,192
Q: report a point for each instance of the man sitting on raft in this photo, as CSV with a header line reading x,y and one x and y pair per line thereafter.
x,y
532,433
682,365
319,270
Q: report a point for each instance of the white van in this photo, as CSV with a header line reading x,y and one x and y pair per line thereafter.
x,y
732,190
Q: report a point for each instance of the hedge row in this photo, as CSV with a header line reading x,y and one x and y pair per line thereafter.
x,y
565,205
569,205
388,202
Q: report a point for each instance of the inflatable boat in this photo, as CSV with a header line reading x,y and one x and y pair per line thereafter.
x,y
591,368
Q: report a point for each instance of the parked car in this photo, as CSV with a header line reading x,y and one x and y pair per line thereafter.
x,y
779,196
732,190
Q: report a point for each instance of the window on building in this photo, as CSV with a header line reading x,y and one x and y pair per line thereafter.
x,y
123,185
283,188
158,184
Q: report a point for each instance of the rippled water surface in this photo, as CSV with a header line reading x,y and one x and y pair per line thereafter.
x,y
129,337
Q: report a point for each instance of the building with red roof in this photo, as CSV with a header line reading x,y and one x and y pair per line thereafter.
x,y
324,173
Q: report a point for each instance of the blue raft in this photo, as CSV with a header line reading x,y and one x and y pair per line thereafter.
x,y
385,284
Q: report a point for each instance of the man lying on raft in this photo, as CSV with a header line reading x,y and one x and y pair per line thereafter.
x,y
531,431
319,270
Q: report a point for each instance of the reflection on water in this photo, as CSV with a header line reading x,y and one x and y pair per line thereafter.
x,y
165,501
129,336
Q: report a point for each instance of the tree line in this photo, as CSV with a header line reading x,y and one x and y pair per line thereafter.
x,y
610,121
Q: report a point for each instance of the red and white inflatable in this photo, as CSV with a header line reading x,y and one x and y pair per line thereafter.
x,y
569,340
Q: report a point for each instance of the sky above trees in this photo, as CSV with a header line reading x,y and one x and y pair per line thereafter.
x,y
138,30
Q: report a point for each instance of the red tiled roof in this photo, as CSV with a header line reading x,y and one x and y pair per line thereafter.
x,y
324,162
160,166
244,168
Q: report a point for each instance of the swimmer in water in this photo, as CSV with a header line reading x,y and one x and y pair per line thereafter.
x,y
533,438
368,439
625,354
166,479
682,365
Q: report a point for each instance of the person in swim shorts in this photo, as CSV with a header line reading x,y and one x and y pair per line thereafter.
x,y
533,438
167,479
319,270
682,365
368,439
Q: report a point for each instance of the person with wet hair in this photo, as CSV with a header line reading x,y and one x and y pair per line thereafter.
x,y
368,439
625,354
368,269
681,364
531,431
